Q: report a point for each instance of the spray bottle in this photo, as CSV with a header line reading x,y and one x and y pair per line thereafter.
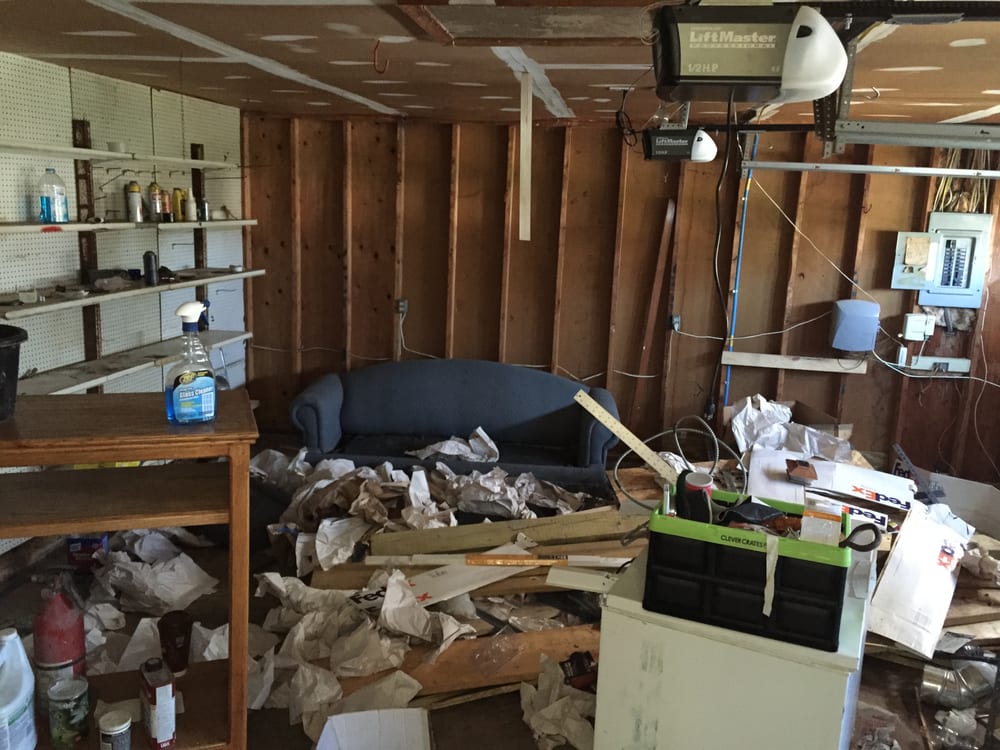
x,y
190,391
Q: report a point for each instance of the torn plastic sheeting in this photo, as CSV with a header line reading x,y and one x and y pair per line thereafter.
x,y
103,616
276,468
153,588
479,447
557,712
759,423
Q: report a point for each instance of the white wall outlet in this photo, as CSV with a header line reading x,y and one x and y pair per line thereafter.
x,y
944,364
915,326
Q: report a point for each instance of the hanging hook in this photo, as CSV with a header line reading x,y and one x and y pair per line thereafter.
x,y
384,68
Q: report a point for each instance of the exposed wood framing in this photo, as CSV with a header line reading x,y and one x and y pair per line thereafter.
x,y
561,262
246,193
295,259
449,335
397,271
513,169
616,266
348,244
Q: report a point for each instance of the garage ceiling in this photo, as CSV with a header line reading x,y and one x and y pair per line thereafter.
x,y
457,61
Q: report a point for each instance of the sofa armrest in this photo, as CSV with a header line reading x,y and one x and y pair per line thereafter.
x,y
316,412
595,438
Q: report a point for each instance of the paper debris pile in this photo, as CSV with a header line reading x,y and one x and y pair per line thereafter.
x,y
556,712
759,423
479,447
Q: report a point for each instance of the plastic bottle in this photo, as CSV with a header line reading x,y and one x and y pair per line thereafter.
x,y
17,692
52,202
60,646
190,391
190,207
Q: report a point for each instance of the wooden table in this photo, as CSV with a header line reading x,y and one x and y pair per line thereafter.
x,y
100,428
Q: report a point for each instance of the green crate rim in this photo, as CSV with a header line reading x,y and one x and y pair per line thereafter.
x,y
754,541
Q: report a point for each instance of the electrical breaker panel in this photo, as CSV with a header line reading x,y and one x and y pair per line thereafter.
x,y
947,263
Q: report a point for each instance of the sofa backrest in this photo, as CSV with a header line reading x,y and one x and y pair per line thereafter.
x,y
454,396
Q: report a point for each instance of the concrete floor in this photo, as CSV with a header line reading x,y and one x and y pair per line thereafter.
x,y
489,724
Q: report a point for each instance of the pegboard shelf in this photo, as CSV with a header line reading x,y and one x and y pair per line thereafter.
x,y
80,376
221,224
191,277
118,226
73,226
109,158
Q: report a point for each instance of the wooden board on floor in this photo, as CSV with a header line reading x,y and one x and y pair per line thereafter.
x,y
583,526
352,576
965,611
483,662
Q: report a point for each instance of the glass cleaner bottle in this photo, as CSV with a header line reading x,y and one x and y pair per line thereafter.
x,y
190,384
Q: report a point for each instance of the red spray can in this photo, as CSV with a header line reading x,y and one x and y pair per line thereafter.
x,y
60,648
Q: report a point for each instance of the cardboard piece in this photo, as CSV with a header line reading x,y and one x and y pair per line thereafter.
x,y
383,729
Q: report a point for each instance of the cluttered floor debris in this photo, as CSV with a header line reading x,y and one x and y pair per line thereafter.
x,y
370,596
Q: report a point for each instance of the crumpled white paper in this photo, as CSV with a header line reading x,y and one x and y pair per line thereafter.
x,y
556,712
311,638
313,689
103,616
423,512
275,468
335,540
378,729
402,613
393,691
295,595
479,447
759,423
153,589
488,494
305,554
366,651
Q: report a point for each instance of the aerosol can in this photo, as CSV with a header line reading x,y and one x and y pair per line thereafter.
x,y
190,391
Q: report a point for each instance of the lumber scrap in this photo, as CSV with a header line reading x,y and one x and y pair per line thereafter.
x,y
971,611
353,576
590,525
479,663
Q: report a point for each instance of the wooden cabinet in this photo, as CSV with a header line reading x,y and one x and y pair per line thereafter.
x,y
97,428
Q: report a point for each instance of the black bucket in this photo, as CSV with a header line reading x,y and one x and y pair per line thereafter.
x,y
11,339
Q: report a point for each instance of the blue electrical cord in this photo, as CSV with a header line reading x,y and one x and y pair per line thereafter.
x,y
739,266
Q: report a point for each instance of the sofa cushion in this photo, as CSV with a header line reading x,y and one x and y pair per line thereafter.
x,y
453,397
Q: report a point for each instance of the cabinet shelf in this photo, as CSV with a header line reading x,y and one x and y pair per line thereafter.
x,y
95,500
201,726
74,297
120,226
80,376
108,158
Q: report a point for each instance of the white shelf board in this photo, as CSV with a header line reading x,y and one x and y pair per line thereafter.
x,y
117,226
178,225
191,277
83,375
108,157
73,226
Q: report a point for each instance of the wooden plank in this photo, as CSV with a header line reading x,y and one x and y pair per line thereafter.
x,y
561,254
803,364
348,243
397,270
479,241
689,379
513,173
239,589
426,225
650,328
449,333
482,662
173,495
372,248
894,205
616,383
246,193
824,199
966,612
321,212
584,526
584,293
532,266
270,165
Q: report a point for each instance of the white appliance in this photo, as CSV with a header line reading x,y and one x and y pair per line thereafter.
x,y
671,684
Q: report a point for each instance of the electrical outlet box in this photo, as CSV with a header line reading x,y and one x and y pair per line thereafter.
x,y
402,305
941,364
915,326
675,322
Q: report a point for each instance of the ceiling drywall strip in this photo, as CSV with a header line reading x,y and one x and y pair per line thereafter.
x,y
973,116
519,63
136,58
123,8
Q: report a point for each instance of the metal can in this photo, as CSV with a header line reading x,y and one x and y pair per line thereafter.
x,y
68,710
133,202
116,730
150,268
177,204
159,710
156,201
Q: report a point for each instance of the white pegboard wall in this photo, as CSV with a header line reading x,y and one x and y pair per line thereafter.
x,y
35,102
19,178
32,261
181,120
141,382
6,545
54,340
124,249
129,323
117,111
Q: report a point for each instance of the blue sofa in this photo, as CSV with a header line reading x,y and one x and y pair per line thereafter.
x,y
379,412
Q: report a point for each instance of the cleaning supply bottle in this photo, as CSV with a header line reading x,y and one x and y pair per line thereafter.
x,y
53,206
190,392
17,690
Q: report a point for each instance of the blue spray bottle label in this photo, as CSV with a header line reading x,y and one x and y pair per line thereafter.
x,y
191,398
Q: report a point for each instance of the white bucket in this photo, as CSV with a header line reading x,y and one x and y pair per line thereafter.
x,y
17,693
